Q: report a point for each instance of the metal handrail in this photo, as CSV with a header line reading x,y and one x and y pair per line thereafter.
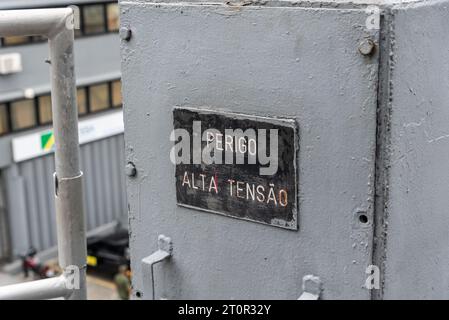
x,y
57,26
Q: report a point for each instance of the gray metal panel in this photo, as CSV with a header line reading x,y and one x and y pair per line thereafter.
x,y
32,181
305,3
417,256
292,62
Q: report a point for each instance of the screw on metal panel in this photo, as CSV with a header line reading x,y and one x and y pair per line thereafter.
x,y
366,47
125,33
130,169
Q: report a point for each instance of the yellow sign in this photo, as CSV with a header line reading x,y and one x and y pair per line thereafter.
x,y
47,141
92,261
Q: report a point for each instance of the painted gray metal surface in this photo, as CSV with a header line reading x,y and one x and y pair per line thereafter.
x,y
293,62
417,251
29,190
303,3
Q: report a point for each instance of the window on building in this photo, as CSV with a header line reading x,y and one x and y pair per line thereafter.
x,y
29,113
15,40
116,88
99,97
78,24
44,103
78,33
113,17
23,114
93,19
3,119
81,100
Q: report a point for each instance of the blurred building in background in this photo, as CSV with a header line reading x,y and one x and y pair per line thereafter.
x,y
27,215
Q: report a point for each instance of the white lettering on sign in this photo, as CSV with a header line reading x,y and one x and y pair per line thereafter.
x,y
270,194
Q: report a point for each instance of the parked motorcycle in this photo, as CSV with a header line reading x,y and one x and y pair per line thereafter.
x,y
30,263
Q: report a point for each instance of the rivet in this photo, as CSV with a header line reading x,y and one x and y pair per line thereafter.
x,y
125,33
366,47
130,169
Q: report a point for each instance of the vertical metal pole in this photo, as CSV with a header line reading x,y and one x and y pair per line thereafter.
x,y
68,177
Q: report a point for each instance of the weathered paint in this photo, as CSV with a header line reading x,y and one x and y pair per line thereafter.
x,y
236,183
417,251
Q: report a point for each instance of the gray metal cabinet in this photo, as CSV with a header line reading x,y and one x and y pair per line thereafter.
x,y
295,62
366,82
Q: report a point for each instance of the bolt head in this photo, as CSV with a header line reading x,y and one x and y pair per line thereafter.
x,y
366,47
130,170
125,33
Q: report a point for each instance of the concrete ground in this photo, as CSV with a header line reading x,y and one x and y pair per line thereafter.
x,y
97,288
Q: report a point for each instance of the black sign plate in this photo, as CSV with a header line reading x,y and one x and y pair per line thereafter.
x,y
236,165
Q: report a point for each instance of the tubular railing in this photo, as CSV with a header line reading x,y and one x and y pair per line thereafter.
x,y
57,25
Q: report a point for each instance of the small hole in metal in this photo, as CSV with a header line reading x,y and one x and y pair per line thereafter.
x,y
56,184
138,294
363,218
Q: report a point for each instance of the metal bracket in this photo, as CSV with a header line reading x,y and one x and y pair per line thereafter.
x,y
311,286
164,252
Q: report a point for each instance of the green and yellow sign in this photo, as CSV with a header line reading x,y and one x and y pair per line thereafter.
x,y
47,141
37,144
